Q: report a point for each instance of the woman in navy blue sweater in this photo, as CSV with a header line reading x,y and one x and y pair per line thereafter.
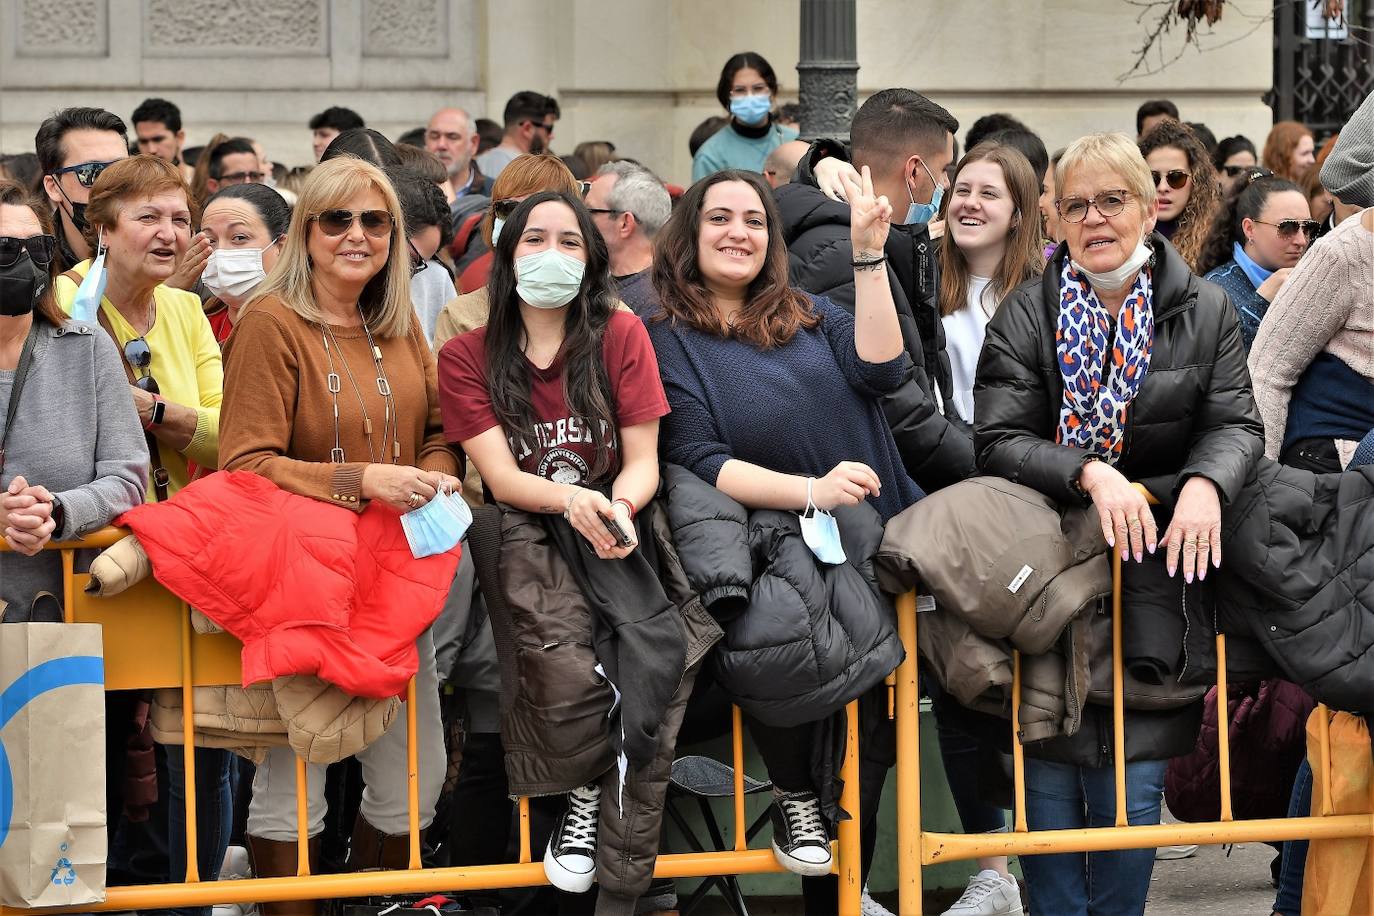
x,y
774,400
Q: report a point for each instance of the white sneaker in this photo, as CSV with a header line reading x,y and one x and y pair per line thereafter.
x,y
236,864
570,859
1175,852
870,907
988,894
800,841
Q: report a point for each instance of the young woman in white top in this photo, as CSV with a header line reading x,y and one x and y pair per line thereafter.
x,y
992,245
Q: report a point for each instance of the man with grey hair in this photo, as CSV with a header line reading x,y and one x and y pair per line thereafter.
x,y
629,204
451,137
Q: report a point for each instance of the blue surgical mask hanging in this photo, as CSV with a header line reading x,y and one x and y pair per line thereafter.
x,y
92,289
924,213
438,525
751,109
821,532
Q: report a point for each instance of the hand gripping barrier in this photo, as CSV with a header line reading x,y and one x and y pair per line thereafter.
x,y
149,643
917,847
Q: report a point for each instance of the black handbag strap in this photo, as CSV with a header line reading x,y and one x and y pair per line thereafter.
x,y
21,373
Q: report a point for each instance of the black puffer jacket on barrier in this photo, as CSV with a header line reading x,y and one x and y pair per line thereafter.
x,y
937,451
1299,570
802,638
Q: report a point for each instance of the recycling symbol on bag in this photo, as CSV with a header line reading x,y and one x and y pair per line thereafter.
x,y
50,675
64,873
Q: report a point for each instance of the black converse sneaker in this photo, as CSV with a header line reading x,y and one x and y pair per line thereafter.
x,y
800,842
570,860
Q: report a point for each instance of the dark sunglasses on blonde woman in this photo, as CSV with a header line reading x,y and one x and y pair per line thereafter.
x,y
376,223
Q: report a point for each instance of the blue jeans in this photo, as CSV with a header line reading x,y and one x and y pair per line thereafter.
x,y
1062,797
1294,862
214,816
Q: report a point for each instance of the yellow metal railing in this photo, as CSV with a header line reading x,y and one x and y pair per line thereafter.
x,y
149,643
917,847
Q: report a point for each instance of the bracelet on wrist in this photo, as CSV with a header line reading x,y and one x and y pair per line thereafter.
x,y
862,263
628,505
1078,480
572,497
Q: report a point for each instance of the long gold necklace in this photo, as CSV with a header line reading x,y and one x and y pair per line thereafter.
x,y
390,429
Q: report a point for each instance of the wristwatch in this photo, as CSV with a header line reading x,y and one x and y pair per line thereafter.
x,y
59,517
158,412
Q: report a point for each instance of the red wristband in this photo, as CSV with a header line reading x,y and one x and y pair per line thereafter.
x,y
628,505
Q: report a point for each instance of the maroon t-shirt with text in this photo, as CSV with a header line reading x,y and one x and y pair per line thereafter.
x,y
559,447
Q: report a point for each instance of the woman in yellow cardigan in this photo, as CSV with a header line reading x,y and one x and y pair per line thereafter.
x,y
140,216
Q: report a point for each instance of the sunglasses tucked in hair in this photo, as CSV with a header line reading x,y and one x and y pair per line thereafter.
x,y
1287,228
376,223
40,247
1108,203
1177,178
86,172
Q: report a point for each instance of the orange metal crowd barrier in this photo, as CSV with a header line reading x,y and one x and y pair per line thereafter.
x,y
149,643
917,847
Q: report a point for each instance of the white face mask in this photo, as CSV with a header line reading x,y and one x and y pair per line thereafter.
x,y
548,279
1112,280
234,272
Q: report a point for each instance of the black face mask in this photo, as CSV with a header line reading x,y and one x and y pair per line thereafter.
x,y
22,284
78,214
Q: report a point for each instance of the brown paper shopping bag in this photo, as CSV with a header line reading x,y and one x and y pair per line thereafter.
x,y
52,765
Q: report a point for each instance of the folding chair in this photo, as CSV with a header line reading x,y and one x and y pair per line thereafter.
x,y
705,778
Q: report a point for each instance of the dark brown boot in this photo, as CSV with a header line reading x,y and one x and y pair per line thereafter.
x,y
273,859
372,849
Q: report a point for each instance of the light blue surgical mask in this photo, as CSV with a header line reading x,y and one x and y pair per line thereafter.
x,y
438,525
548,279
86,304
821,532
924,213
751,109
496,224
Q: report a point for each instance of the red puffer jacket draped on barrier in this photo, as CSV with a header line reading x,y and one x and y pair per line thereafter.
x,y
309,588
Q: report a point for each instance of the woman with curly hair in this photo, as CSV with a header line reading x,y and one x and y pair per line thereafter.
x,y
1186,184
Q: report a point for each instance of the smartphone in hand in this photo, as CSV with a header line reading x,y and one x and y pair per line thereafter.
x,y
613,526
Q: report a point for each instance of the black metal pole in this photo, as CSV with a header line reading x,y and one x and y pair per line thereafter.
x,y
828,68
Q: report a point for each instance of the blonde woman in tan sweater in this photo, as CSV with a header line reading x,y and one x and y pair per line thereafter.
x,y
1313,359
330,392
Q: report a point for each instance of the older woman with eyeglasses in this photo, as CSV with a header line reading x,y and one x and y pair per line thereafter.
x,y
332,394
1118,365
140,217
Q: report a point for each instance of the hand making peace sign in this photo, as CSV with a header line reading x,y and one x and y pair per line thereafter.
x,y
870,216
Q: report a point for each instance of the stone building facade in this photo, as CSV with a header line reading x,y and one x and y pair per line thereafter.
x,y
639,72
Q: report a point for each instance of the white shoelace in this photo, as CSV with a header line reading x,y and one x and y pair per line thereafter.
x,y
978,888
804,820
579,826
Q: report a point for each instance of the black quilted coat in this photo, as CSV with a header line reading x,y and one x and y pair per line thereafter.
x,y
802,638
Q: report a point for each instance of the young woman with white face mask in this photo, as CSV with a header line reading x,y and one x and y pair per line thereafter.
x,y
557,402
246,224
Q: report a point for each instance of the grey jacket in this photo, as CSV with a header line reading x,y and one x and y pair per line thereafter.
x,y
77,433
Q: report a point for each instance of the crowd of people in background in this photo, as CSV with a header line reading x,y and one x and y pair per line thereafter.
x,y
673,400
